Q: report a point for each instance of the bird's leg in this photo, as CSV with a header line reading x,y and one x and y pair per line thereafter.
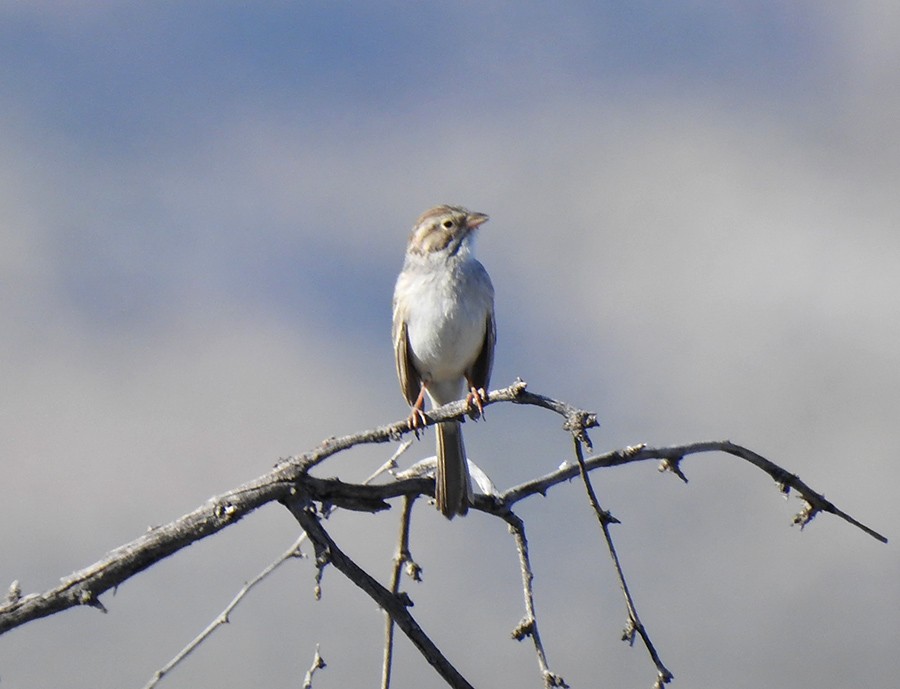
x,y
476,397
416,415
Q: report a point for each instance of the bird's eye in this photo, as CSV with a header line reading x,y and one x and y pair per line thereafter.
x,y
448,224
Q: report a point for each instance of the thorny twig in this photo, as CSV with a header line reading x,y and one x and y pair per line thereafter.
x,y
401,558
397,606
528,626
318,663
634,624
785,481
292,552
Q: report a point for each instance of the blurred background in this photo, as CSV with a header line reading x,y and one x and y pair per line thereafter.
x,y
695,232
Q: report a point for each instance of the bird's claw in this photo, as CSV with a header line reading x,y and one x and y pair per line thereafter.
x,y
476,398
417,419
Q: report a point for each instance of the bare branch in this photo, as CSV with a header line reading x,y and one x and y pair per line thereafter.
x,y
397,606
529,626
578,421
401,558
317,664
289,554
85,586
634,625
454,410
785,480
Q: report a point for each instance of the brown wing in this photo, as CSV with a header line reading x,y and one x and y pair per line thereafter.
x,y
480,373
410,383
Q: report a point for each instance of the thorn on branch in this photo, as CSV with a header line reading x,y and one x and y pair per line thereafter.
x,y
806,515
413,571
86,597
14,593
606,517
673,464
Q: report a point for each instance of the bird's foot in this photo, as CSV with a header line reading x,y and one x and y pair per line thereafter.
x,y
475,401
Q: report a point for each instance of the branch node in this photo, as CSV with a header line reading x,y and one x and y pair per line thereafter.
x,y
224,511
663,678
551,679
632,450
323,559
578,422
629,634
524,629
317,664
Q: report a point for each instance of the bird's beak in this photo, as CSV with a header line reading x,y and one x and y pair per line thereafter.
x,y
473,220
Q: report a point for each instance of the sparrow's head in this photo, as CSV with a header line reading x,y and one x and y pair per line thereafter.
x,y
443,229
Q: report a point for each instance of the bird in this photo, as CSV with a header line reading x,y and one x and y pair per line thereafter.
x,y
444,336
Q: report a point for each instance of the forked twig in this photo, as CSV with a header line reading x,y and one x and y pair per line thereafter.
x,y
397,606
318,663
290,553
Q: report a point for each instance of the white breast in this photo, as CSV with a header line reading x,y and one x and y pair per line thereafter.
x,y
446,323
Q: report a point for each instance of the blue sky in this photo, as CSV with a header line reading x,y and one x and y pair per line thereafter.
x,y
203,208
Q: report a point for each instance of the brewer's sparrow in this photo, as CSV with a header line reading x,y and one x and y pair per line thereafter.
x,y
444,334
